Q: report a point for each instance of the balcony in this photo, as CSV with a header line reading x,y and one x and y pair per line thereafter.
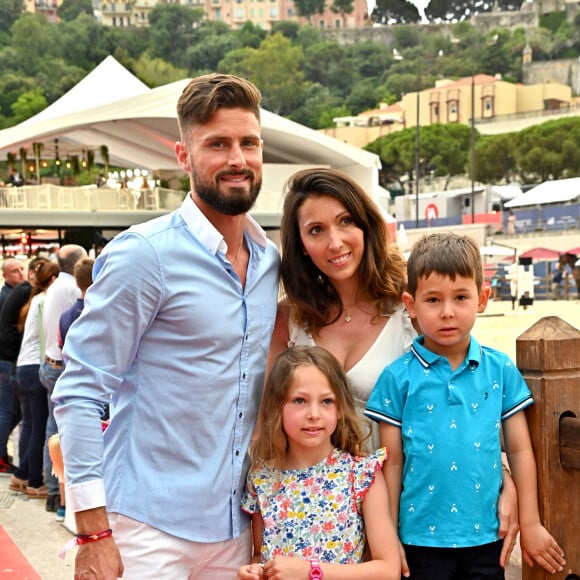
x,y
50,205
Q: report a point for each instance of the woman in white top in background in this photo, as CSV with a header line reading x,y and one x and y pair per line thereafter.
x,y
28,477
342,283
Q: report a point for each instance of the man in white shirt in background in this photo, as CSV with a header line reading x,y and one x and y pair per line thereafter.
x,y
60,296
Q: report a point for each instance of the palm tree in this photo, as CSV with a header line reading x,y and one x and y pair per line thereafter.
x,y
105,158
10,160
90,162
37,148
23,157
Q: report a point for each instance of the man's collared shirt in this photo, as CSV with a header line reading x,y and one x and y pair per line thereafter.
x,y
178,347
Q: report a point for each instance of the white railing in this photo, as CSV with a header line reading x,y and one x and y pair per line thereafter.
x,y
49,197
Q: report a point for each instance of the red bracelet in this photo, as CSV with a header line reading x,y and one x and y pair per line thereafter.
x,y
88,538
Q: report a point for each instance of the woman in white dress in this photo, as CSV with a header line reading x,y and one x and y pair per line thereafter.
x,y
342,282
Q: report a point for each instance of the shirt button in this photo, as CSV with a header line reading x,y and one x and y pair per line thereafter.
x,y
237,452
240,415
243,375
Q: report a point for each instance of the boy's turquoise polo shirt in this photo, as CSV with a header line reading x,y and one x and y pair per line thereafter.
x,y
450,424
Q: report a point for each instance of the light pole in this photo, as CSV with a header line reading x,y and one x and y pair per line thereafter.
x,y
398,56
417,149
472,149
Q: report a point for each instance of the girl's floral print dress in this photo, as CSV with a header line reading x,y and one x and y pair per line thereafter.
x,y
314,512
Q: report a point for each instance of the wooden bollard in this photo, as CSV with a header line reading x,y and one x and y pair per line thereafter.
x,y
548,356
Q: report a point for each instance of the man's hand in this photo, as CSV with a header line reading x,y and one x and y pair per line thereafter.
x,y
99,560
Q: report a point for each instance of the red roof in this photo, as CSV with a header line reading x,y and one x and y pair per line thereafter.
x,y
479,79
541,254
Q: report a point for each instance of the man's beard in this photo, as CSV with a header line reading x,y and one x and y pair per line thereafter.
x,y
234,203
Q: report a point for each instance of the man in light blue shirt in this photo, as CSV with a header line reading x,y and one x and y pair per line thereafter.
x,y
174,335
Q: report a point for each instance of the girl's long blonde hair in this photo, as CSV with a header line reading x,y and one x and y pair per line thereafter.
x,y
271,445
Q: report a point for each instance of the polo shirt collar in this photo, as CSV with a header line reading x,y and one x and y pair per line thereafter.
x,y
208,235
426,357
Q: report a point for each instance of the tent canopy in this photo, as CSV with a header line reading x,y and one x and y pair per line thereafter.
x,y
140,130
108,82
506,192
541,254
498,251
557,191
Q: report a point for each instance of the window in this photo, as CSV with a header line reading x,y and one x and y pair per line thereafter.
x,y
488,111
434,112
452,111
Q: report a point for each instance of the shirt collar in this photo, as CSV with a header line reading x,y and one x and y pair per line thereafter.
x,y
426,357
208,235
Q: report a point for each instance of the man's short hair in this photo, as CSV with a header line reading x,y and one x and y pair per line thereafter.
x,y
205,94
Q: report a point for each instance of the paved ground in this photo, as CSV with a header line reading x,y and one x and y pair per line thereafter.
x,y
39,536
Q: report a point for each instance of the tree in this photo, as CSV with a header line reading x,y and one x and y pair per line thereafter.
x,y
13,85
69,10
342,7
308,8
57,77
281,79
443,149
82,41
37,149
104,151
550,150
288,28
156,72
394,12
495,159
251,35
10,11
171,31
457,10
211,45
34,41
317,107
321,58
28,104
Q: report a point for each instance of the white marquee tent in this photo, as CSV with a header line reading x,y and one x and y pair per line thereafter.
x,y
139,126
556,191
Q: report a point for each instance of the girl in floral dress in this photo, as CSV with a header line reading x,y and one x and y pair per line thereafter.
x,y
316,501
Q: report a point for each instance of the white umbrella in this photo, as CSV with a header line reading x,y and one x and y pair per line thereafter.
x,y
402,238
499,251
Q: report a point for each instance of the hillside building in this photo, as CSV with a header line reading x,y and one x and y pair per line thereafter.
x,y
235,13
494,102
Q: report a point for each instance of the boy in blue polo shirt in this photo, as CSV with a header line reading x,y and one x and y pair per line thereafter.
x,y
441,407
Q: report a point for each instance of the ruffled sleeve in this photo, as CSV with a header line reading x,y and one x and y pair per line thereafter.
x,y
250,503
364,471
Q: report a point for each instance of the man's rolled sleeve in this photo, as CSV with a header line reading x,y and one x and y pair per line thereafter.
x,y
86,496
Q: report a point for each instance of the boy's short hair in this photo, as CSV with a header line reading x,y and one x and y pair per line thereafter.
x,y
445,254
83,273
205,94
